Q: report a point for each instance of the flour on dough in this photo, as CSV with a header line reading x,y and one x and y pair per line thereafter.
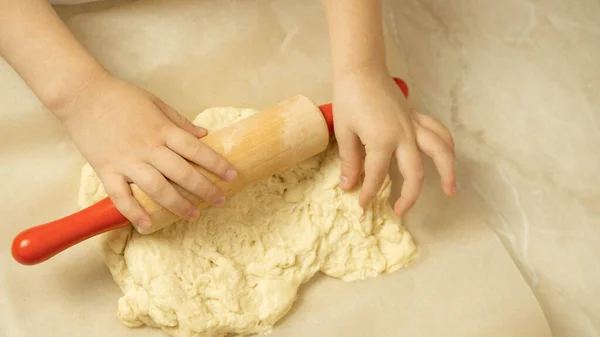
x,y
237,269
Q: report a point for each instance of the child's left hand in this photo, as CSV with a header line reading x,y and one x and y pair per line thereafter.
x,y
373,121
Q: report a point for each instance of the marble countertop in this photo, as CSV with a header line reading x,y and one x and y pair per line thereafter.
x,y
518,83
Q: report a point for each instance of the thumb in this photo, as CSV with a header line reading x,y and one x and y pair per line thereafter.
x,y
351,153
180,121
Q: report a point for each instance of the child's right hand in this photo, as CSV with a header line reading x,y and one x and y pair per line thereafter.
x,y
130,136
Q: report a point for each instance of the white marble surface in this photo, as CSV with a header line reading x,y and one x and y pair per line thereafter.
x,y
518,83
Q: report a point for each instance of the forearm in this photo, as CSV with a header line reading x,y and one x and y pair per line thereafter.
x,y
42,50
356,34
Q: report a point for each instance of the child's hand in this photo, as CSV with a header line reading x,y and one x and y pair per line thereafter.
x,y
373,122
130,136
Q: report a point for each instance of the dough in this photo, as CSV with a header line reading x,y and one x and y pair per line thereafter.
x,y
237,269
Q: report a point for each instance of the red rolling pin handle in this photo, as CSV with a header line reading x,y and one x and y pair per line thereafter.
x,y
38,244
327,109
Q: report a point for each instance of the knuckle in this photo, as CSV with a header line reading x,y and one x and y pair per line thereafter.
x,y
185,173
177,204
174,135
213,162
348,164
157,188
408,137
221,166
198,188
369,190
167,133
374,171
210,192
118,197
419,175
385,143
182,120
374,187
197,147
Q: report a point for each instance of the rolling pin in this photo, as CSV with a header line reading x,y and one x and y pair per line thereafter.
x,y
259,146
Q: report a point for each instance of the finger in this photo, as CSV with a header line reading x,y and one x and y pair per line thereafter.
x,y
377,163
156,186
411,168
433,146
119,192
197,152
436,127
351,154
179,120
181,172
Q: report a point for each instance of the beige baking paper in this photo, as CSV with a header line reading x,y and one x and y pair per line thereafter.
x,y
199,54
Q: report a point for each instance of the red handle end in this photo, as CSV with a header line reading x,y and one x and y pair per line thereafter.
x,y
38,244
327,109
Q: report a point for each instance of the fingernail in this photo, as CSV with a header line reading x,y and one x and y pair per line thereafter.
x,y
194,214
202,131
344,181
230,175
143,224
454,189
220,201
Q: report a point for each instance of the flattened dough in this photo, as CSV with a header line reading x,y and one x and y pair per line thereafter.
x,y
237,269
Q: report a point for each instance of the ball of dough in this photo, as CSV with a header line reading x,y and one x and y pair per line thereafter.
x,y
237,269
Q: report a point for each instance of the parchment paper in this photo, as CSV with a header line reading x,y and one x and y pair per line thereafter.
x,y
199,54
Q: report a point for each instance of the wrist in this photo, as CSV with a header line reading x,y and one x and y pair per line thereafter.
x,y
60,100
73,81
365,70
